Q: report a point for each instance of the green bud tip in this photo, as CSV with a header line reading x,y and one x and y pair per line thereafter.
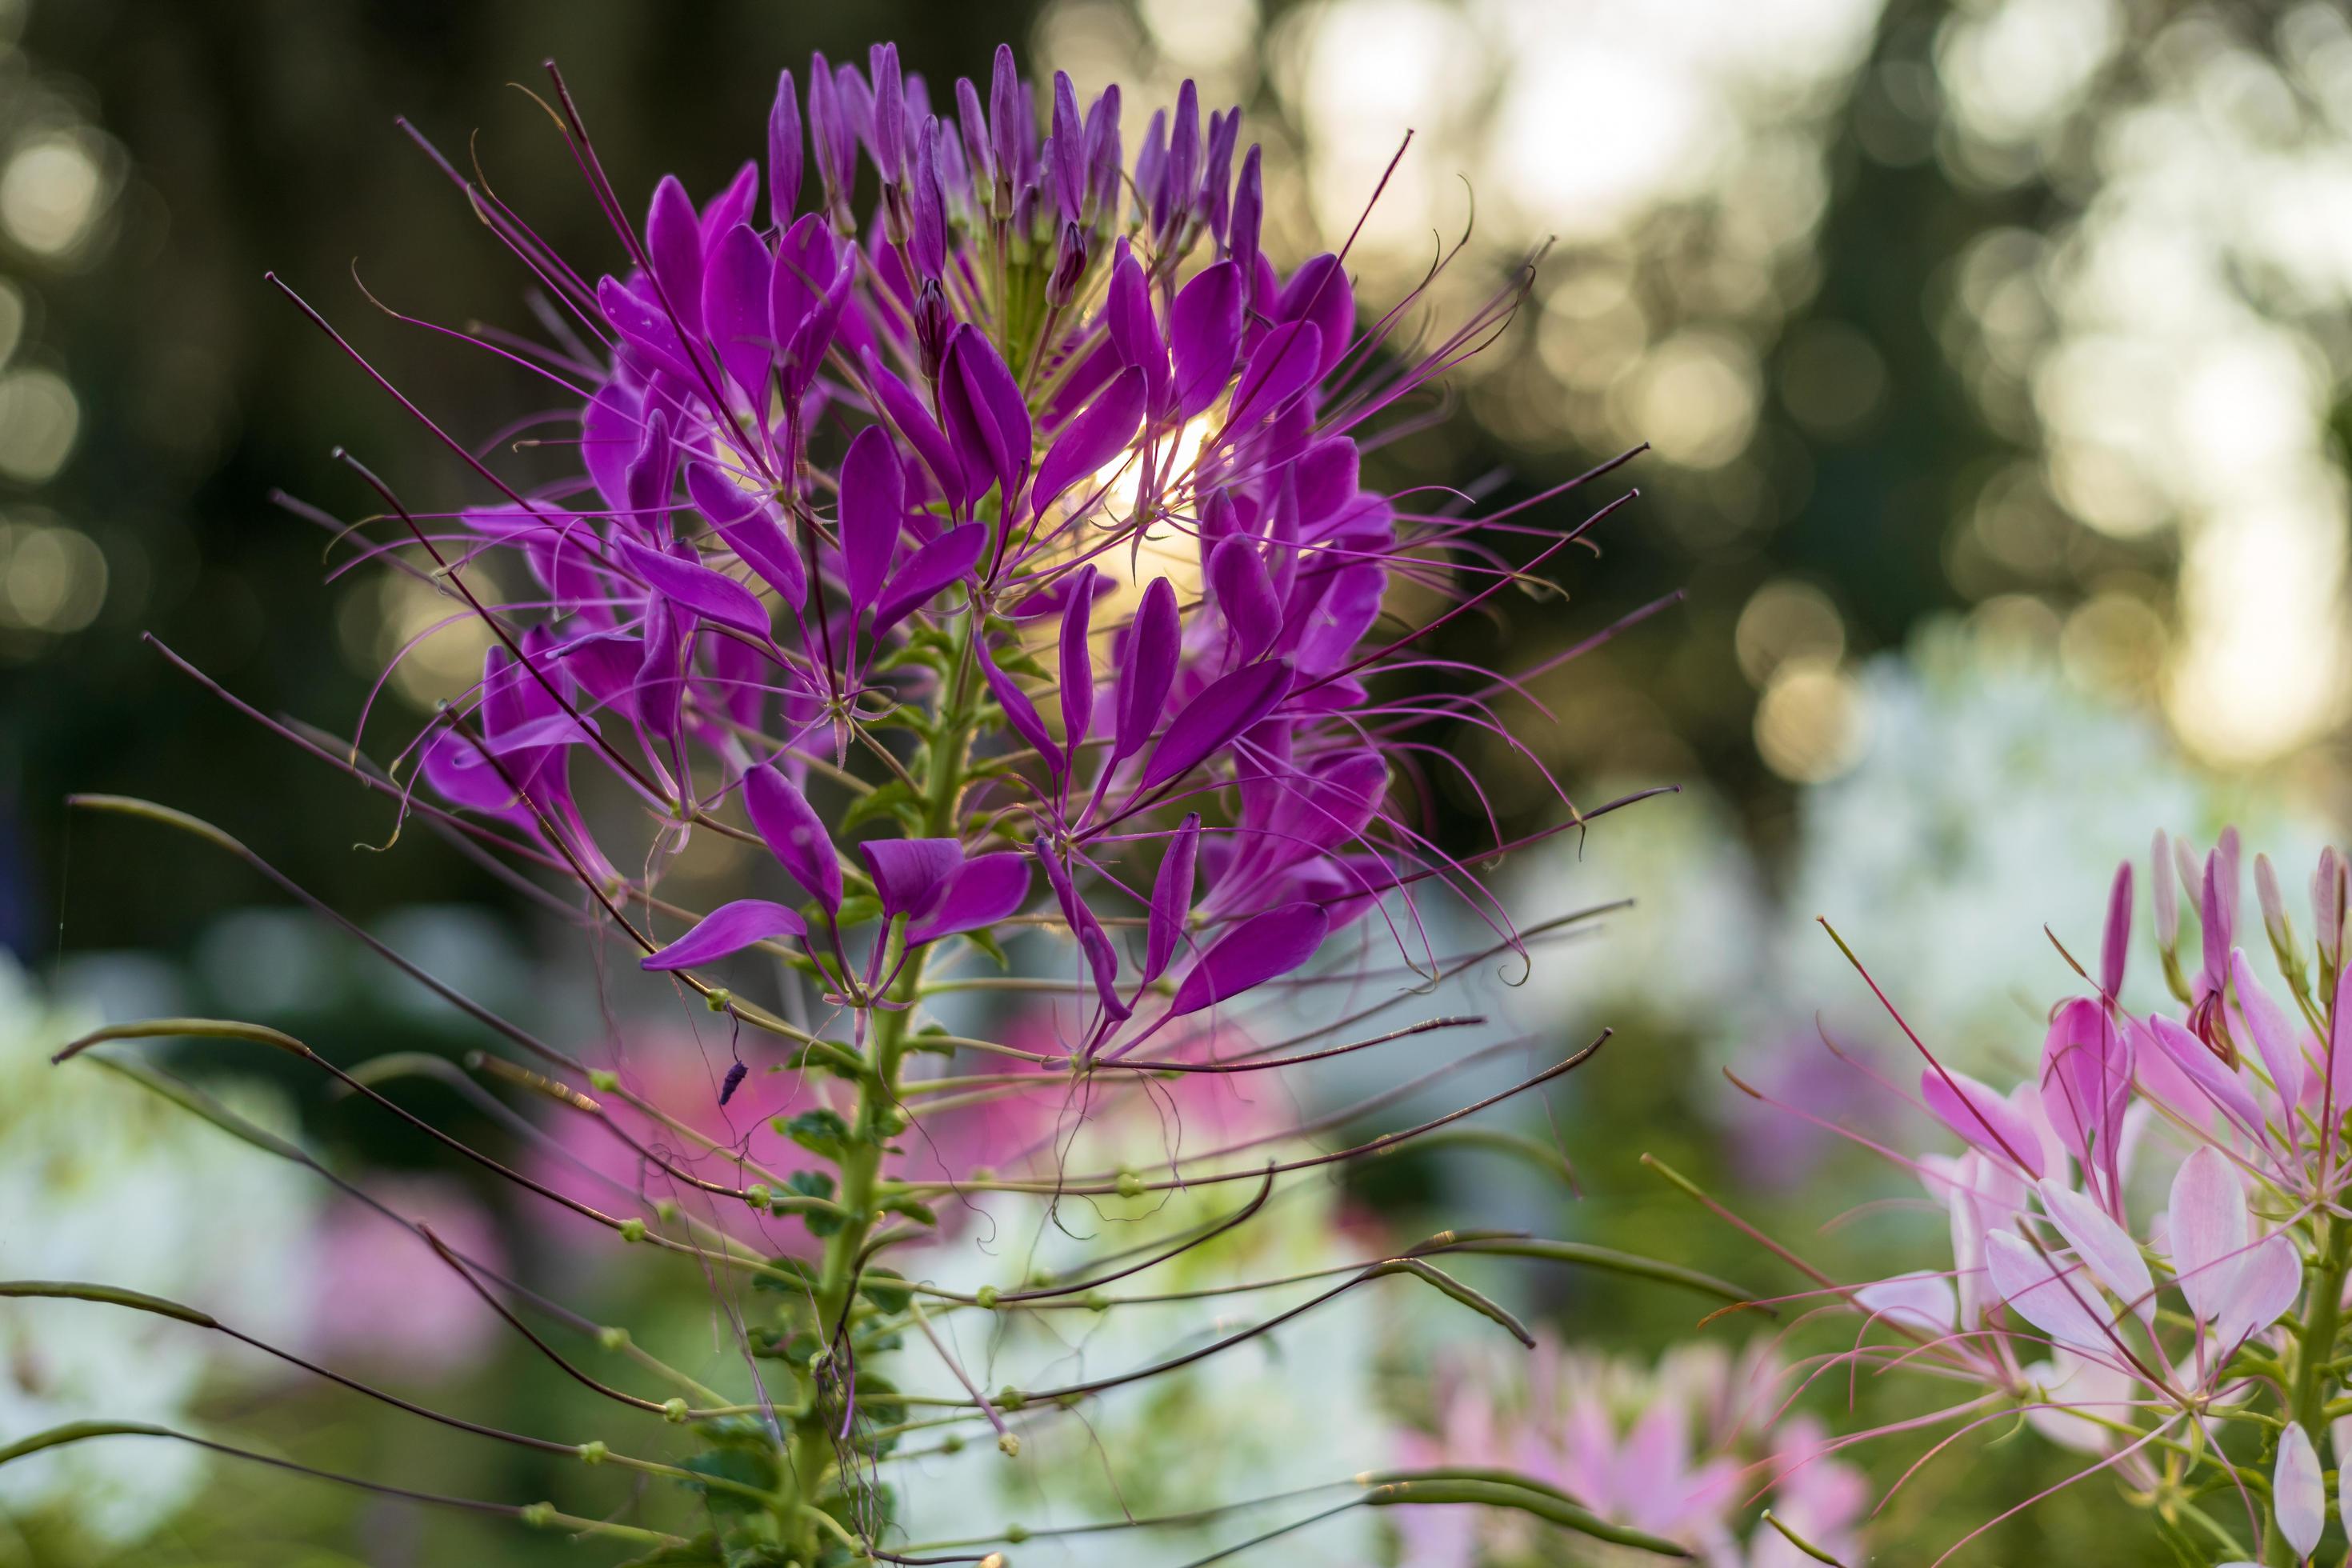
x,y
983,1173
986,1296
592,1453
666,1212
1016,1533
674,1411
537,1515
612,1339
718,999
1097,1301
603,1082
757,1196
633,1229
1131,1186
1009,1445
1010,1398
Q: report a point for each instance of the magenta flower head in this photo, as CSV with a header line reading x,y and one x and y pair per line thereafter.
x,y
999,567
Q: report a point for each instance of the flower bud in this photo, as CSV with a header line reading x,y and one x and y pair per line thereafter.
x,y
2328,905
1069,266
2276,925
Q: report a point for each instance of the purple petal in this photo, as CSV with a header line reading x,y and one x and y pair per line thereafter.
x,y
642,328
713,596
1284,365
1090,440
1069,151
2116,945
2207,1220
926,241
2275,1035
650,473
1134,329
783,152
1171,898
1021,714
794,834
2104,1246
806,261
887,131
909,874
730,207
1260,948
729,928
2067,1308
1008,114
985,416
873,510
978,894
735,311
2298,1497
1319,292
1102,958
933,567
745,521
2217,908
1078,662
610,434
1205,332
1249,209
1245,596
1983,1117
674,245
906,411
2085,1081
1154,644
1211,720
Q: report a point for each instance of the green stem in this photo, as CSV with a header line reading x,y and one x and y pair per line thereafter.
x,y
811,1439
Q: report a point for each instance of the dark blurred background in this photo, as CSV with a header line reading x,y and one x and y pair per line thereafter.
x,y
1775,260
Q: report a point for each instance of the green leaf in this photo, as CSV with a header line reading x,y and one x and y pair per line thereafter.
x,y
900,1203
820,1131
883,1286
857,909
892,799
987,943
803,1278
740,1465
814,1185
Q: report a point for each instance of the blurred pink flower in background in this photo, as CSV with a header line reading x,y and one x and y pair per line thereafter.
x,y
384,1298
1686,1450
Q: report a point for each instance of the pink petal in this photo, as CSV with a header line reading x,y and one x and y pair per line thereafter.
x,y
2208,1225
2274,1036
2297,1496
1980,1116
2068,1309
2266,1287
1923,1301
2106,1246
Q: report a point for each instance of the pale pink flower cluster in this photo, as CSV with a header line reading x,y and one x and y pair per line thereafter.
x,y
2132,1227
1692,1450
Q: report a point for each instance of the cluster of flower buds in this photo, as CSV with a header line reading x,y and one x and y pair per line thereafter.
x,y
2148,1246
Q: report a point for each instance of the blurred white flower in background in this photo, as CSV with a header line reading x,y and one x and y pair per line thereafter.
x,y
102,1182
1221,1430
